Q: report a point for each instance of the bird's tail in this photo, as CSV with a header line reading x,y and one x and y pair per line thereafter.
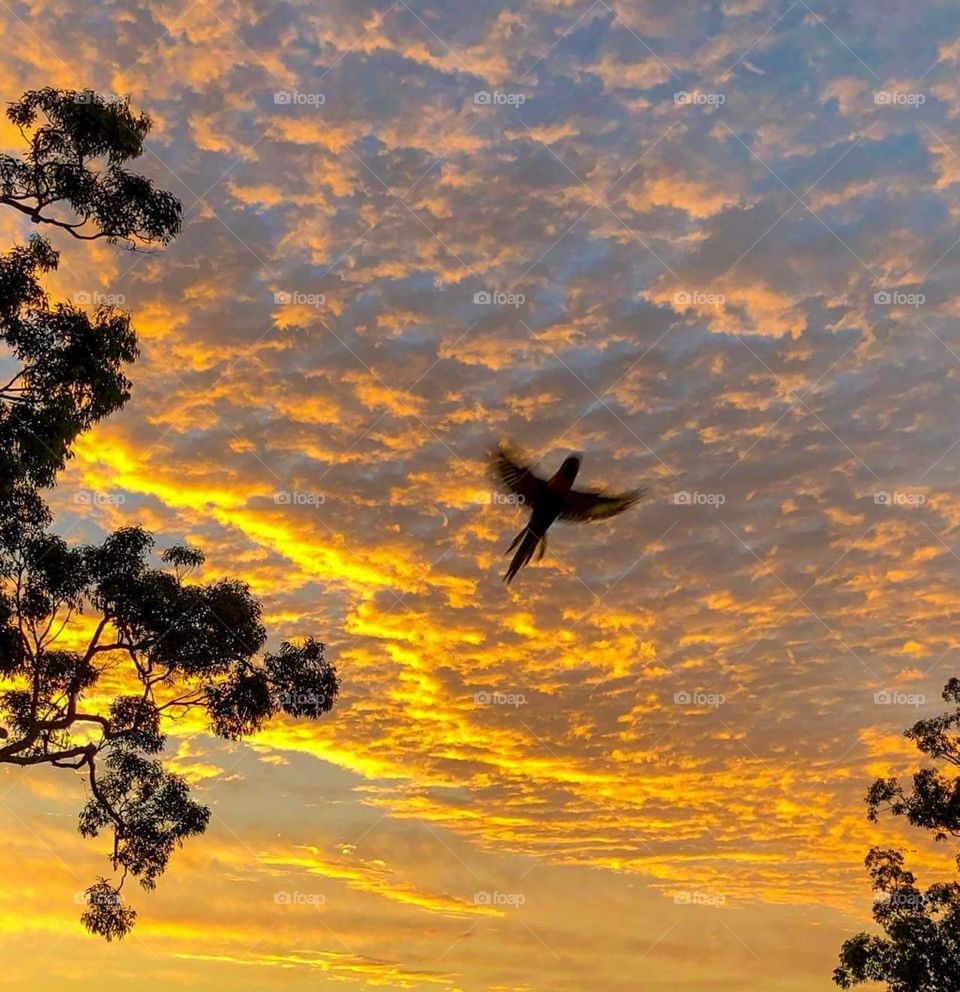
x,y
529,541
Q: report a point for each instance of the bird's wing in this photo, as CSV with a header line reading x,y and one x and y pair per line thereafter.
x,y
581,506
519,479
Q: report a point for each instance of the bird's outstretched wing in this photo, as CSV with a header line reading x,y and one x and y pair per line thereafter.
x,y
517,478
579,506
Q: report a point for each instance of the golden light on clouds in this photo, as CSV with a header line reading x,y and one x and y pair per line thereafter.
x,y
411,230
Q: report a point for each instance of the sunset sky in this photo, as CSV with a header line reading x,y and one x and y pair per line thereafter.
x,y
720,244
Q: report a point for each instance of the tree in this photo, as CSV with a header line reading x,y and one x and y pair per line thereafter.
x,y
69,366
78,142
920,951
175,649
184,647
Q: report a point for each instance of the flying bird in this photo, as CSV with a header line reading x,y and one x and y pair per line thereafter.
x,y
551,499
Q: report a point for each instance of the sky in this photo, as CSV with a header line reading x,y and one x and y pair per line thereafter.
x,y
710,246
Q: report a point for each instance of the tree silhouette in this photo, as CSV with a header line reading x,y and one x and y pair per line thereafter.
x,y
69,366
186,648
72,174
155,646
921,947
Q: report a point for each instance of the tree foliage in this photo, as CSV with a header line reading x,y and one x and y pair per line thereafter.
x,y
173,648
920,948
70,369
103,646
72,176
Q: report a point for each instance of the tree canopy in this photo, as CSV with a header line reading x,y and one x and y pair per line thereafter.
x,y
104,647
71,175
920,947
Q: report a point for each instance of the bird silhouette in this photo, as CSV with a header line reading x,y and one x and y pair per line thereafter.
x,y
549,500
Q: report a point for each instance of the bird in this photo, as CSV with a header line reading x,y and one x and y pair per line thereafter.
x,y
549,500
